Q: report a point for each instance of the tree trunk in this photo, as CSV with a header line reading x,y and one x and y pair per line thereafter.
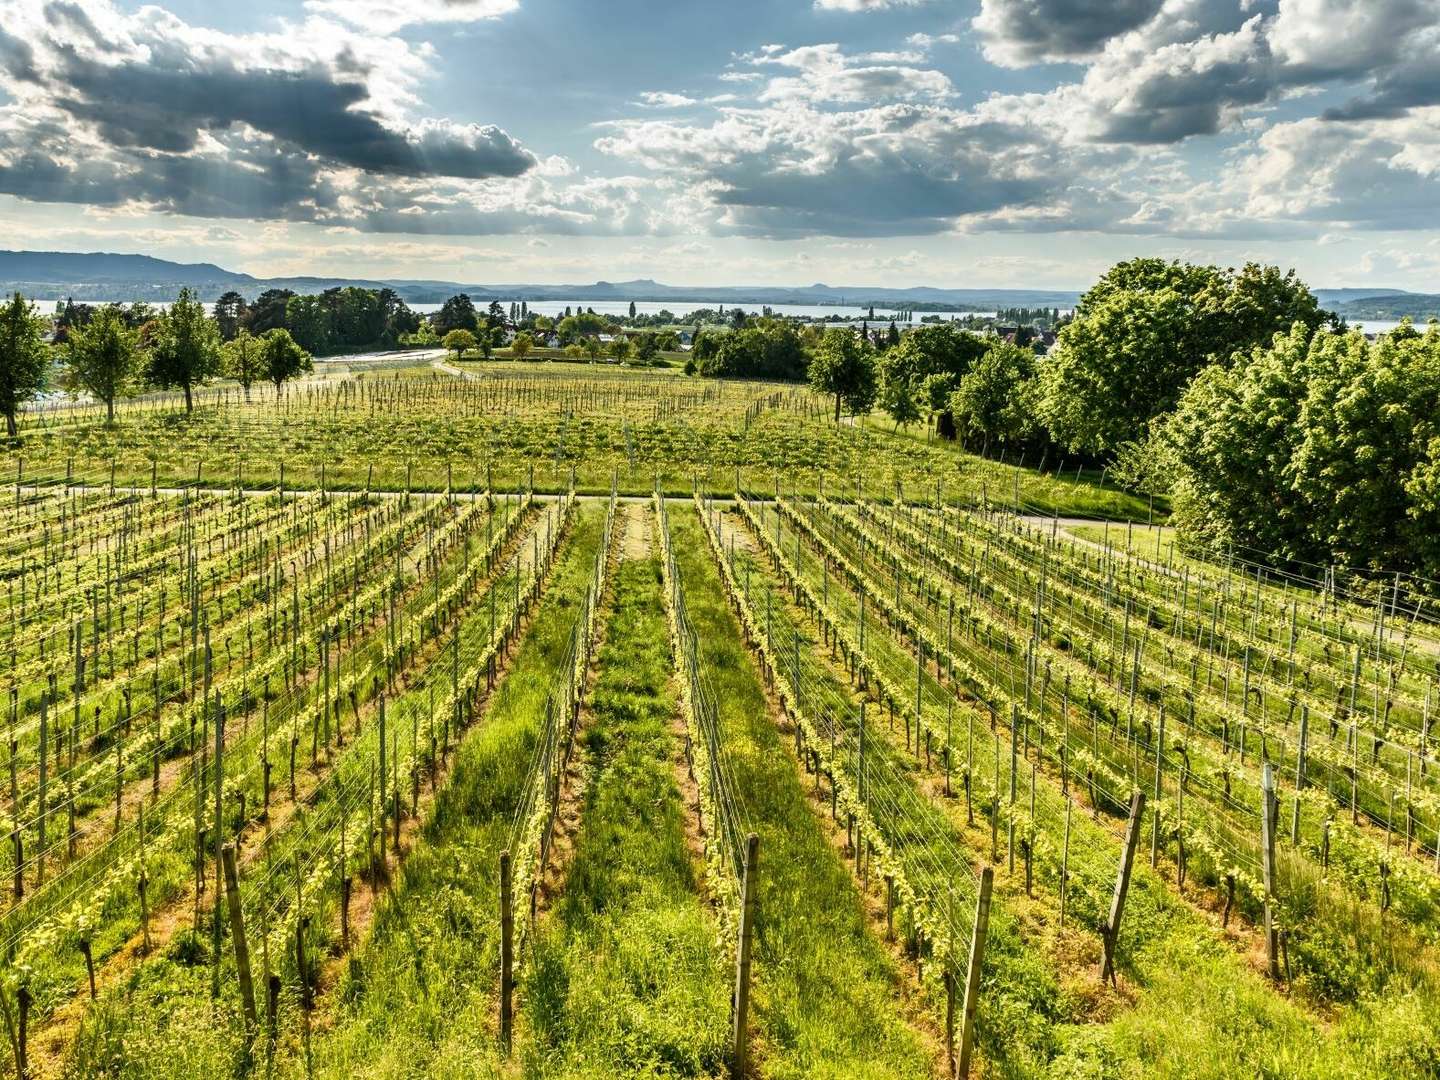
x,y
837,408
110,410
10,428
189,404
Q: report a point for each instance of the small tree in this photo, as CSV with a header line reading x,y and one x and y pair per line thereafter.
x,y
647,349
897,397
244,360
620,347
283,358
592,346
104,358
844,366
521,346
186,349
24,357
459,342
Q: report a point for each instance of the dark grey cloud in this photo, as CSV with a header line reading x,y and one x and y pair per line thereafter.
x,y
1027,31
17,58
166,102
248,181
1410,86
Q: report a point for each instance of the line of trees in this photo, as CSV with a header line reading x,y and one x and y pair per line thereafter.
x,y
110,353
339,320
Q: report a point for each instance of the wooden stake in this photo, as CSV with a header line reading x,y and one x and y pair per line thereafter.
x,y
237,934
972,976
1110,932
740,1003
507,950
1267,854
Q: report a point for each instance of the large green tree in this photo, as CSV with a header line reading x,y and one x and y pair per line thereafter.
x,y
185,349
457,313
230,311
1145,329
1323,448
104,358
844,367
765,349
24,357
995,400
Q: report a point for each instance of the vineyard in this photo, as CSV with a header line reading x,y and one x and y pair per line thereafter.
x,y
534,721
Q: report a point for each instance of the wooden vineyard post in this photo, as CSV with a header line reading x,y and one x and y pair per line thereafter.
x,y
740,1004
1299,773
237,934
1159,759
972,974
216,933
23,1001
1110,932
507,949
1065,861
1267,855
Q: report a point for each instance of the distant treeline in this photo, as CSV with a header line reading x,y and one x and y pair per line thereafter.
x,y
335,321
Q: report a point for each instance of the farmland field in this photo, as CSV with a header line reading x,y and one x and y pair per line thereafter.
x,y
554,720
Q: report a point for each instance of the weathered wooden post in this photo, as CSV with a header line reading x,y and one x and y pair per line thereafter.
x,y
237,934
507,950
740,1004
1267,856
972,976
1110,932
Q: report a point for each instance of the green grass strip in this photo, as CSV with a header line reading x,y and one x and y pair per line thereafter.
x,y
826,1000
629,977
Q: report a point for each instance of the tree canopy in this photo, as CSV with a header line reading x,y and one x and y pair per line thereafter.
x,y
1145,329
994,400
1324,448
459,342
185,349
765,349
24,357
284,359
104,358
844,366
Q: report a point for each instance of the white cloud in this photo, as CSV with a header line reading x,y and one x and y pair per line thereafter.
x,y
660,99
863,5
827,74
385,17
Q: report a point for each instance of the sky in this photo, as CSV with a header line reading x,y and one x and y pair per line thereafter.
x,y
952,143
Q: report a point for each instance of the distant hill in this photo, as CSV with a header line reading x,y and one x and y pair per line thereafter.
x,y
53,275
57,275
1330,297
1390,306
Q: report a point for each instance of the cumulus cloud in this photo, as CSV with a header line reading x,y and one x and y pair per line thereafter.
x,y
660,99
825,73
1020,32
796,170
314,123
